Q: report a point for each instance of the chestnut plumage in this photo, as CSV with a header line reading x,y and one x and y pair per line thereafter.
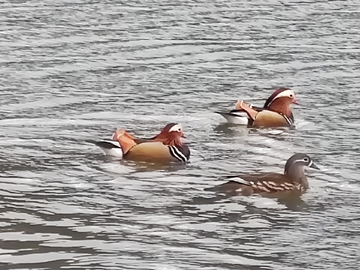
x,y
166,146
275,113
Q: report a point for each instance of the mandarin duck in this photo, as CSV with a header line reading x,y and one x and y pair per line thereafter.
x,y
275,113
293,179
166,146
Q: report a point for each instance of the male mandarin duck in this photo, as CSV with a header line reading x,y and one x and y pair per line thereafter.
x,y
293,179
275,113
166,146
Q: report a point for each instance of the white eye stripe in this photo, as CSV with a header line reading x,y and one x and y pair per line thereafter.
x,y
177,128
286,93
306,159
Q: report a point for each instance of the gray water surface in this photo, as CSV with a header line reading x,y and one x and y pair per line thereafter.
x,y
73,71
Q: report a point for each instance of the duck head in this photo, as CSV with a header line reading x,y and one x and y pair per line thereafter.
x,y
281,101
171,134
295,167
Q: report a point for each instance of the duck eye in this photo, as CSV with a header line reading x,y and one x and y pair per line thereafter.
x,y
291,95
306,159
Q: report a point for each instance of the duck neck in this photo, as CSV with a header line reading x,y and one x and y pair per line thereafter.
x,y
297,175
169,139
281,105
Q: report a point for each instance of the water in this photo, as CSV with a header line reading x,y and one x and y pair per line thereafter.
x,y
73,71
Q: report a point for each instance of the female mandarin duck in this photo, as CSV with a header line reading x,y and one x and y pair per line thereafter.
x,y
166,146
293,179
275,113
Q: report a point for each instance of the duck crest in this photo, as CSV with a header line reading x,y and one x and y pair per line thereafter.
x,y
170,135
168,128
274,95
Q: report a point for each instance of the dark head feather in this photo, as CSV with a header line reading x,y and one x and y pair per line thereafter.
x,y
168,137
273,95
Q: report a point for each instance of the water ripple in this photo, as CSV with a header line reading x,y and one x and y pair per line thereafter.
x,y
72,72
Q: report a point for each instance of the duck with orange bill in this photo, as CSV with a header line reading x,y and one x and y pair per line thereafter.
x,y
277,111
167,146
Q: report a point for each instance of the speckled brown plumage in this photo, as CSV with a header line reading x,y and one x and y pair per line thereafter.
x,y
293,179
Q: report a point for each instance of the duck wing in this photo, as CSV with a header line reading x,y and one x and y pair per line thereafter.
x,y
248,184
269,182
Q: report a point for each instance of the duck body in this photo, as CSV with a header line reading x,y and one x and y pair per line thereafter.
x,y
258,183
157,151
268,118
164,147
293,179
275,113
265,118
113,147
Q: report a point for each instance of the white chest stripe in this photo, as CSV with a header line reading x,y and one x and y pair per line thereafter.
x,y
177,153
290,122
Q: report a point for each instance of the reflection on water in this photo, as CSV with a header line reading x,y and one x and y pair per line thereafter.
x,y
73,72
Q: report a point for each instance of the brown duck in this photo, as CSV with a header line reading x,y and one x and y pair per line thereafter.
x,y
293,179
